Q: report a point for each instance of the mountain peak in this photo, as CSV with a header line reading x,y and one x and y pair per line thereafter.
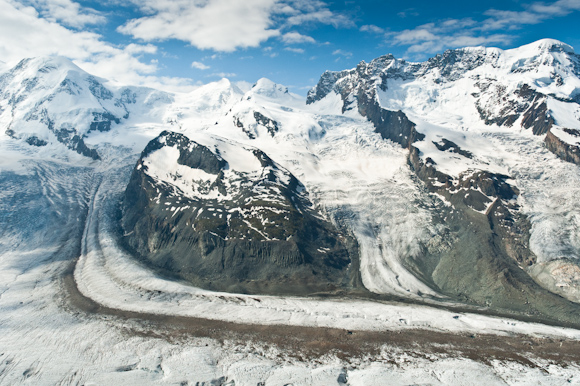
x,y
552,45
47,64
543,46
267,88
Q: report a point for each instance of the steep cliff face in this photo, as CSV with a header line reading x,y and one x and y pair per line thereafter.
x,y
227,217
567,150
512,89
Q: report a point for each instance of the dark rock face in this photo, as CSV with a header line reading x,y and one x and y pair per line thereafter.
x,y
392,125
446,145
35,141
103,121
358,87
270,124
524,102
237,231
566,151
479,259
251,128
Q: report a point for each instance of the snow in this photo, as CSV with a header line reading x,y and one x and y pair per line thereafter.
x,y
56,206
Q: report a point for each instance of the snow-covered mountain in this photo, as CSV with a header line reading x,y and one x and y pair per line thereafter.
x,y
48,100
226,216
438,199
439,170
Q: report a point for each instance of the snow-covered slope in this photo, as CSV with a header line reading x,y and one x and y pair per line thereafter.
x,y
49,100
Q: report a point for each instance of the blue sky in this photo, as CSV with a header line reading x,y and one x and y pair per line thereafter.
x,y
180,44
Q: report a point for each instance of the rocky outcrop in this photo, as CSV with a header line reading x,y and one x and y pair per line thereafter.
x,y
270,124
496,106
482,256
233,230
564,150
357,89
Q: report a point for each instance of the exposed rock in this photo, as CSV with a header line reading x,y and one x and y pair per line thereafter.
x,y
566,151
497,106
449,145
103,121
35,141
357,88
480,257
52,96
270,124
237,230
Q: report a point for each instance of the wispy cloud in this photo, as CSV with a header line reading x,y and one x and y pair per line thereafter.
x,y
408,13
24,32
67,12
494,27
343,53
199,66
372,28
296,38
222,75
295,50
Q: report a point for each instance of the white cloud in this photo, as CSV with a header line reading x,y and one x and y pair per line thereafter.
x,y
296,38
436,37
324,16
444,42
199,66
495,29
295,50
372,28
222,75
408,12
420,34
227,25
24,33
66,12
222,25
339,52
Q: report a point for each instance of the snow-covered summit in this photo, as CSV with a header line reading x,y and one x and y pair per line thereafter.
x,y
269,89
50,100
543,45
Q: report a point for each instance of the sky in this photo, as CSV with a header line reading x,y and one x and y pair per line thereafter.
x,y
178,45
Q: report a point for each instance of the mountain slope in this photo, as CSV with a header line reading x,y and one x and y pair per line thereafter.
x,y
227,217
443,110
